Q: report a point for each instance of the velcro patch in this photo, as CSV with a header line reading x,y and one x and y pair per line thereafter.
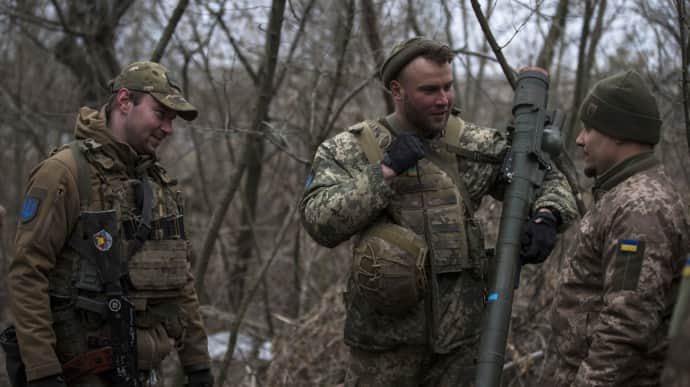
x,y
627,265
31,204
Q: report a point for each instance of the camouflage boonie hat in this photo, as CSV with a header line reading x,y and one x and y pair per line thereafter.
x,y
404,52
154,79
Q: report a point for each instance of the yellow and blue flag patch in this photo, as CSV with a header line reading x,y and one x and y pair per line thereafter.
x,y
629,245
686,269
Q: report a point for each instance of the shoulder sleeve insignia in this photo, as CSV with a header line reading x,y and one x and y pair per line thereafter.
x,y
627,264
30,208
31,204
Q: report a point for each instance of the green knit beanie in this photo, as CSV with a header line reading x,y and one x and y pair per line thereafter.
x,y
407,50
621,106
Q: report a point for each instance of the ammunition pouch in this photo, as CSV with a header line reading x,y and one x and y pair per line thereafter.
x,y
13,358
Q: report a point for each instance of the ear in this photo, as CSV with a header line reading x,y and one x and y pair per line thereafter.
x,y
122,101
396,89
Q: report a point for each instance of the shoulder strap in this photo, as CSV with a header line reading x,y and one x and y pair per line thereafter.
x,y
83,174
367,141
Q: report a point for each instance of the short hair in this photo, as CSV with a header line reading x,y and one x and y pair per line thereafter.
x,y
134,95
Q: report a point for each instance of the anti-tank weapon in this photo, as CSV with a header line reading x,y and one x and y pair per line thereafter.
x,y
535,138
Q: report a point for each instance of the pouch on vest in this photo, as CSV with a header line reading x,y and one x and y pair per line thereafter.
x,y
13,359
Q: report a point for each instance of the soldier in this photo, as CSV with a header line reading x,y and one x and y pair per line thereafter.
x,y
100,286
617,287
677,368
407,186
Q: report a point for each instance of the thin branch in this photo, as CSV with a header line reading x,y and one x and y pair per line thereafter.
x,y
235,46
682,25
277,243
507,70
169,29
345,101
295,42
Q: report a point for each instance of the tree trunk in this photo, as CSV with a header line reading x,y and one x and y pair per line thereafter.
x,y
255,145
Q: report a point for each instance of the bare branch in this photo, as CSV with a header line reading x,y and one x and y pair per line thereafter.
x,y
507,70
169,29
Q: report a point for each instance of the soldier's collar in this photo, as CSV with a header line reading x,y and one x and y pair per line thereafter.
x,y
622,171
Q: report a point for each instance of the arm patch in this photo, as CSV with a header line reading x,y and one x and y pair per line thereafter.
x,y
628,265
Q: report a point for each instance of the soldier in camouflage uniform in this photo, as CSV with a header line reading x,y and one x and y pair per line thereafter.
x,y
617,287
431,172
57,281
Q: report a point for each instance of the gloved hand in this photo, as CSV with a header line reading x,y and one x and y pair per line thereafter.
x,y
539,237
48,381
403,153
200,378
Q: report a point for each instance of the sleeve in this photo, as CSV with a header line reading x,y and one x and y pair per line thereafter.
x,y
343,193
484,178
557,195
48,214
193,346
639,271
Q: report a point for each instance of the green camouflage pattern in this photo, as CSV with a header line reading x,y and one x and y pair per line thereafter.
x,y
388,268
401,368
154,78
344,194
617,287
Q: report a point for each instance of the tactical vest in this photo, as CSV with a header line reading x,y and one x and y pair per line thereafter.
x,y
156,274
432,200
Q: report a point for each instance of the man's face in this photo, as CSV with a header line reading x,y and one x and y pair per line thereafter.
x,y
148,124
599,151
426,94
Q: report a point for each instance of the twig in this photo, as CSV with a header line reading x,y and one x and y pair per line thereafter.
x,y
507,70
169,29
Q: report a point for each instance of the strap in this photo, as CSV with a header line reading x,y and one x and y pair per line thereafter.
x,y
389,232
144,227
83,174
367,141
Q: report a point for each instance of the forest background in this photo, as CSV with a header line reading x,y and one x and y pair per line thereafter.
x,y
274,78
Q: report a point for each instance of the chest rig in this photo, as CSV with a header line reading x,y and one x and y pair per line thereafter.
x,y
432,200
129,241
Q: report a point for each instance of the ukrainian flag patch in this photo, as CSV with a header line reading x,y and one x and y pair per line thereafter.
x,y
686,269
629,245
412,172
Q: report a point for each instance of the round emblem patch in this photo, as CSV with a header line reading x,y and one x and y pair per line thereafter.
x,y
103,240
114,305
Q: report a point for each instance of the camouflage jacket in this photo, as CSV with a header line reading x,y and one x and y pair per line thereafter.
x,y
345,193
617,288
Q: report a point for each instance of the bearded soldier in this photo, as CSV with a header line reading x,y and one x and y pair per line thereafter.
x,y
617,288
100,287
407,186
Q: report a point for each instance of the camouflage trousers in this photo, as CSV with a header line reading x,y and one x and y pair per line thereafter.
x,y
411,366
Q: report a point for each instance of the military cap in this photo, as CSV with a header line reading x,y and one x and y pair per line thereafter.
x,y
404,52
621,106
153,78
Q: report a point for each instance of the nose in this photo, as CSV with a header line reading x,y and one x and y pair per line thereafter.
x,y
580,140
167,126
443,98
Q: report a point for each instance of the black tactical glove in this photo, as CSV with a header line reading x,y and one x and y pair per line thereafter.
x,y
200,378
403,153
539,237
48,381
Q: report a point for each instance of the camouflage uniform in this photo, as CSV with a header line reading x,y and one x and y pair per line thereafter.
x,y
611,312
43,276
345,194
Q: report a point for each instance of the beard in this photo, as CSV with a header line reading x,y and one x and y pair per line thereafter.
x,y
421,121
